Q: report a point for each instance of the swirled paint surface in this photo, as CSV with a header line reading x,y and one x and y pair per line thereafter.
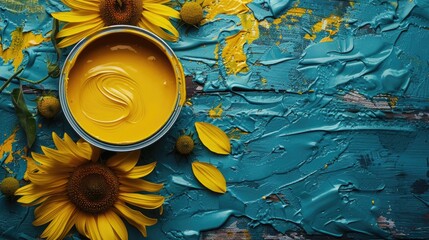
x,y
121,88
325,103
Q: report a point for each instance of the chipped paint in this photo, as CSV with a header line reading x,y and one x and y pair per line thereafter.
x,y
292,15
233,54
7,146
231,7
20,42
329,26
216,112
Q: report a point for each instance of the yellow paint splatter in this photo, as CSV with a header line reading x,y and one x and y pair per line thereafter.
x,y
30,6
292,15
216,112
328,25
233,54
264,81
7,147
236,133
231,7
20,42
393,101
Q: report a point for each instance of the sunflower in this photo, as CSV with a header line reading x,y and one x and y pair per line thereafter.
x,y
88,16
73,188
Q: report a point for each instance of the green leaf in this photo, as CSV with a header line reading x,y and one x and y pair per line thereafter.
x,y
26,119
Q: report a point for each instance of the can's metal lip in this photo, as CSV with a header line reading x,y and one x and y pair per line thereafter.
x,y
105,145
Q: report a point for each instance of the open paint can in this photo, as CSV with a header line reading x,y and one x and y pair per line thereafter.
x,y
122,88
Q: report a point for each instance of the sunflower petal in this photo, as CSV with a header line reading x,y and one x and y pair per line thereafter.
x,y
156,1
141,171
117,224
77,37
137,185
46,161
92,228
162,10
80,223
82,5
74,16
64,157
161,21
209,176
60,144
105,229
82,149
49,209
146,201
61,224
75,28
213,138
157,30
31,192
124,161
43,179
135,218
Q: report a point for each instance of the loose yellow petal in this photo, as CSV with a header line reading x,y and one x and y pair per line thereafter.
x,y
74,16
213,138
209,176
147,201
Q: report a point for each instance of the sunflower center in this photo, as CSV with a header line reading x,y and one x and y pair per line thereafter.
x,y
93,188
115,12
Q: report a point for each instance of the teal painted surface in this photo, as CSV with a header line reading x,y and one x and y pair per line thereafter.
x,y
336,140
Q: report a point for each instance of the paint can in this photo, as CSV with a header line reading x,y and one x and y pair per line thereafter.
x,y
122,88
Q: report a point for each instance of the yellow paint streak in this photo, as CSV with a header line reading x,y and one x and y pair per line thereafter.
x,y
393,101
233,54
216,112
236,133
20,42
17,6
292,15
231,7
7,146
328,25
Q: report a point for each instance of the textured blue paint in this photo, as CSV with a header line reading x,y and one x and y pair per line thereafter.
x,y
336,142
